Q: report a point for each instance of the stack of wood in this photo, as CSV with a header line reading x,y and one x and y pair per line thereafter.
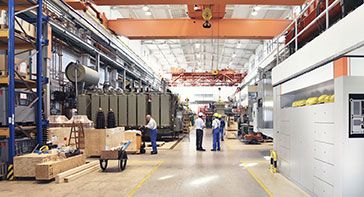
x,y
186,123
78,172
45,166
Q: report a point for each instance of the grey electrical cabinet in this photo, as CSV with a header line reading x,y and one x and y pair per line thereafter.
x,y
132,110
155,107
95,105
113,104
141,109
165,110
84,105
123,110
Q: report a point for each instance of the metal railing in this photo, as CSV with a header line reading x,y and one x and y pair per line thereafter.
x,y
276,48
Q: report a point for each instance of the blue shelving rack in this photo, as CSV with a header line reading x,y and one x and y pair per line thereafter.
x,y
39,19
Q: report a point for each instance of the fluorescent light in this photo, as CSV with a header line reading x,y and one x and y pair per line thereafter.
x,y
239,45
254,13
257,8
146,8
234,55
196,8
148,13
197,45
198,55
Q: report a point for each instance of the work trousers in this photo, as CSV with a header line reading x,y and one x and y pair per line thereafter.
x,y
153,139
199,138
216,139
222,133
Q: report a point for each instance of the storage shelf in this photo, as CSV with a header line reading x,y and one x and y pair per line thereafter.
x,y
19,4
4,81
21,42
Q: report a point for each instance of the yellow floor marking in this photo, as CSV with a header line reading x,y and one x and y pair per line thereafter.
x,y
251,172
135,189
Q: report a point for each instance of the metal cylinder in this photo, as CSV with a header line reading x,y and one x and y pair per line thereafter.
x,y
81,73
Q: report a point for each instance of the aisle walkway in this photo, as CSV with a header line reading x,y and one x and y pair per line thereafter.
x,y
186,172
238,170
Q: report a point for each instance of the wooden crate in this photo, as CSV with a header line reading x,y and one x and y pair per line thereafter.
x,y
232,134
136,141
97,140
59,135
24,166
50,169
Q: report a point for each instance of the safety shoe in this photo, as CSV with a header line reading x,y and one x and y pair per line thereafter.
x,y
154,153
213,149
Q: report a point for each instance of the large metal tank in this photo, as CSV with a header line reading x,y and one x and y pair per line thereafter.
x,y
132,110
113,105
165,110
141,109
95,105
84,105
82,73
123,110
155,107
104,104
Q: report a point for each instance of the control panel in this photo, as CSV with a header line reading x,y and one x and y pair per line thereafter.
x,y
356,119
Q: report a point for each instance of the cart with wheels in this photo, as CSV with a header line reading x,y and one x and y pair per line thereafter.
x,y
118,153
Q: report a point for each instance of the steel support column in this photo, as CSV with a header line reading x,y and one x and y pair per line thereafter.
x,y
39,113
11,73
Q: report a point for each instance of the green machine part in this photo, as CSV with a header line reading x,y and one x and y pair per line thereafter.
x,y
84,105
95,105
104,104
132,110
165,111
122,110
113,105
141,109
155,107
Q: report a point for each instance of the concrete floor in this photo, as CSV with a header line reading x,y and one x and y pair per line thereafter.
x,y
239,170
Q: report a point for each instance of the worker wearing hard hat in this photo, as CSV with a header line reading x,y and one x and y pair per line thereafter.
x,y
152,126
222,127
200,125
216,133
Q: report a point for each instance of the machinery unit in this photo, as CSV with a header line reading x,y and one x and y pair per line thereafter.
x,y
123,110
84,105
132,110
155,107
264,107
113,105
141,109
104,103
95,105
24,107
319,142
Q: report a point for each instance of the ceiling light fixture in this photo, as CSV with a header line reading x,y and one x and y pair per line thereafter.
x,y
196,8
197,45
254,13
234,55
257,8
148,13
145,8
238,45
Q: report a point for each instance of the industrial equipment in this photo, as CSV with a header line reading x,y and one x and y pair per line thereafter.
x,y
356,116
78,73
263,108
24,107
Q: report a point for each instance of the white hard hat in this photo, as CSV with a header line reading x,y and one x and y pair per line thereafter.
x,y
200,114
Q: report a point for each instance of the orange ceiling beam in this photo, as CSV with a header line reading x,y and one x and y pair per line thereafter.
x,y
199,2
192,29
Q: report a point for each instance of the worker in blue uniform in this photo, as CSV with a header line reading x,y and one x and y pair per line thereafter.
x,y
152,126
222,127
216,133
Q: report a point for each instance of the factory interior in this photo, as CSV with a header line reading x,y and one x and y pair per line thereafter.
x,y
181,98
